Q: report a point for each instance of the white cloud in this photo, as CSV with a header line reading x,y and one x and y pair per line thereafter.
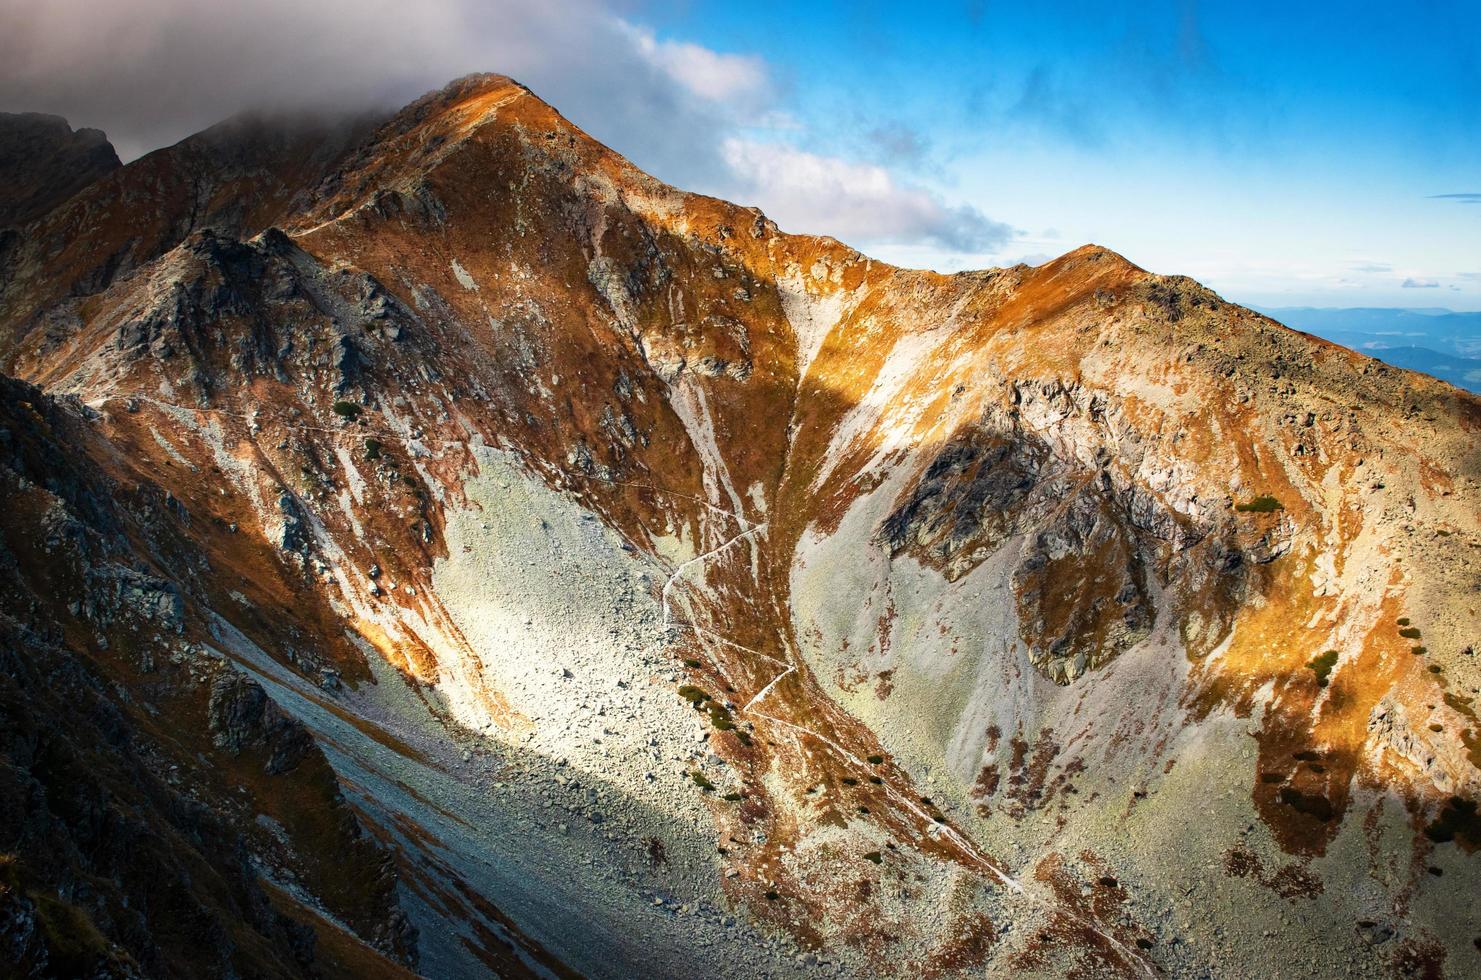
x,y
856,202
708,74
1412,283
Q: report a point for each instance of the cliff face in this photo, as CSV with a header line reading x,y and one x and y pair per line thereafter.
x,y
641,570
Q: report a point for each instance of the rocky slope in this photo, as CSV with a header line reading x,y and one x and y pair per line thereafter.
x,y
647,591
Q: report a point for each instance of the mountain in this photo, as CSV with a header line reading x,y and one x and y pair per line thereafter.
x,y
437,546
45,163
1440,343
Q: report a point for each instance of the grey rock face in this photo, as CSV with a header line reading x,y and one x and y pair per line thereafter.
x,y
242,717
117,591
1049,467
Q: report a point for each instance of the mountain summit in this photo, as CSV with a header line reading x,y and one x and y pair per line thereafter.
x,y
45,162
434,545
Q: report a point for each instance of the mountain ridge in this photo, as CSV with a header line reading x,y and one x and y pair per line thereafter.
x,y
569,477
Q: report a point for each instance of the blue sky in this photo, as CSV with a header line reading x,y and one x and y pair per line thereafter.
x,y
1294,153
1286,154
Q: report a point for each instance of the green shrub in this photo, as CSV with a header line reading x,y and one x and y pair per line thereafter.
x,y
720,717
373,449
850,781
1260,505
772,896
1419,651
693,664
701,781
874,856
1404,621
1323,665
1411,633
733,797
875,760
347,410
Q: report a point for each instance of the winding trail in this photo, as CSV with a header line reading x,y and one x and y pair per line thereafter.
x,y
679,569
968,847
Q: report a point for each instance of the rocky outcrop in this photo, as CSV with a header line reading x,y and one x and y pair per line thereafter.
x,y
1048,470
242,717
116,591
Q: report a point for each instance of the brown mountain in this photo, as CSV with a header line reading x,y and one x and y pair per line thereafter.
x,y
519,564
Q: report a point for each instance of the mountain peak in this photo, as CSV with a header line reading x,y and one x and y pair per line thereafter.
x,y
43,161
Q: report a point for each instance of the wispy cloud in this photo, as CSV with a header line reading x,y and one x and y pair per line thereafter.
x,y
1412,283
1373,267
898,142
1468,197
857,202
709,74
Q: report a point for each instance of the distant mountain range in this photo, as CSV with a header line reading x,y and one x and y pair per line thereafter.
x,y
1441,343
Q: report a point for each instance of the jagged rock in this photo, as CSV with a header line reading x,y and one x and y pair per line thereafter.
x,y
115,591
242,716
294,535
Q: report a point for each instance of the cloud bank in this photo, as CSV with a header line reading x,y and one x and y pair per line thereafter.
x,y
150,72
